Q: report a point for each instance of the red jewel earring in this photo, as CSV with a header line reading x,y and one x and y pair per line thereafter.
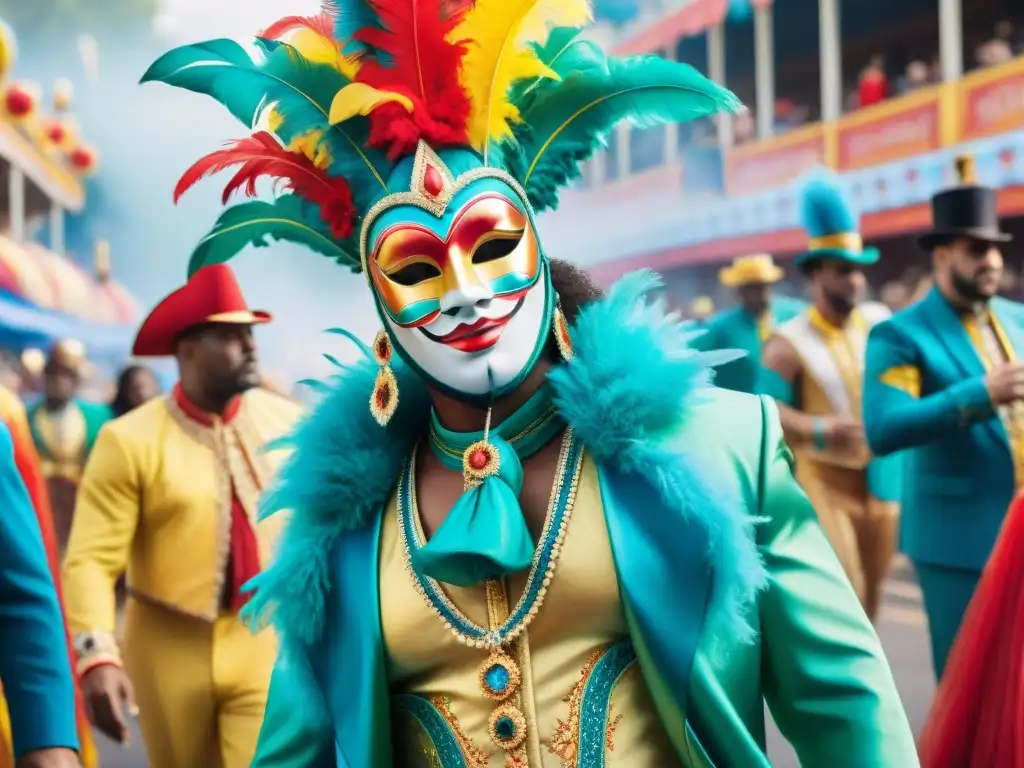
x,y
384,398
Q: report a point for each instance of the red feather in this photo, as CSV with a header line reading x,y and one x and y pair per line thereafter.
x,y
261,156
322,24
423,65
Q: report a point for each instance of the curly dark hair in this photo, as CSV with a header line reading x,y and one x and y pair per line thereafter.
x,y
576,288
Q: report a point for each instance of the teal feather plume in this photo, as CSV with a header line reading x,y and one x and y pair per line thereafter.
x,y
349,17
299,90
255,223
823,206
553,53
566,121
215,68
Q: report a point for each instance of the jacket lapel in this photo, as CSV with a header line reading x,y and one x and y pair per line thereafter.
x,y
665,584
1005,315
947,327
354,653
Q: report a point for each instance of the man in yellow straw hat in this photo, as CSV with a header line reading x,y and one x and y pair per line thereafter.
x,y
747,325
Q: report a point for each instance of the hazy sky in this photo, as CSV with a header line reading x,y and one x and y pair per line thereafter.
x,y
210,18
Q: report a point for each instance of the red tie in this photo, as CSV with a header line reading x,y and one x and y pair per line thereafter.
x,y
245,555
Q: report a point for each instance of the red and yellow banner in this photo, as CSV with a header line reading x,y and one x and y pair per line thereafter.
x,y
766,164
892,130
992,101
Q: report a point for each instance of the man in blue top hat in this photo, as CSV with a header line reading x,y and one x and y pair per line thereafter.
x,y
813,366
34,666
747,325
944,382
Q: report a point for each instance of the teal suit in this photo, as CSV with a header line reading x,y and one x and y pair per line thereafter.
x,y
959,476
737,329
816,660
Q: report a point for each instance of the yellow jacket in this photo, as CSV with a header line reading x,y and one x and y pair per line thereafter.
x,y
155,501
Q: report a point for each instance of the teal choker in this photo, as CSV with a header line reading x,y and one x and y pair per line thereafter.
x,y
485,536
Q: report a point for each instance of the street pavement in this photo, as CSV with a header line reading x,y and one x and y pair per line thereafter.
x,y
902,628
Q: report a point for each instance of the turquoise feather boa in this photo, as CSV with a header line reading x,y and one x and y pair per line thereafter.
x,y
627,389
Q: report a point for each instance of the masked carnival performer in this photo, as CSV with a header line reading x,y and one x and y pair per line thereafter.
x,y
170,495
814,368
26,461
493,558
35,668
747,325
943,382
64,429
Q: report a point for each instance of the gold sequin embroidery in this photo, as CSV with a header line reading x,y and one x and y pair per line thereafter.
x,y
474,756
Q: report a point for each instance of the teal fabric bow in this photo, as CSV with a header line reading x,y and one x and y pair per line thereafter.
x,y
485,535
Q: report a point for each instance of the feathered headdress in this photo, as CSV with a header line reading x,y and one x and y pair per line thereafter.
x,y
336,101
832,226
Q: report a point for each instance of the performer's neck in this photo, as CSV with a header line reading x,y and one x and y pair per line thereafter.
x,y
463,417
830,315
207,402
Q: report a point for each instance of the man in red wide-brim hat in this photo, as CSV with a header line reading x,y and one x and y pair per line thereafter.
x,y
170,495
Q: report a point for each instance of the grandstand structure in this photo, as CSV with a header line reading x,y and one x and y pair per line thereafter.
x,y
684,199
44,164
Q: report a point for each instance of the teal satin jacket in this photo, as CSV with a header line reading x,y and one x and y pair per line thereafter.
x,y
736,329
817,661
925,394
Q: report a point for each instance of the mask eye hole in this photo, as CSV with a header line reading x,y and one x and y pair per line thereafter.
x,y
415,273
496,248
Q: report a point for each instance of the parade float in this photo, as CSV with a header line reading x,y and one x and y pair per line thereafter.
x,y
45,294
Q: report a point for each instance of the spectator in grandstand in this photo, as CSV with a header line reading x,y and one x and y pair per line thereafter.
x,y
874,85
135,386
918,75
999,49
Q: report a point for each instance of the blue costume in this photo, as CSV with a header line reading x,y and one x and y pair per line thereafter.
x,y
736,328
34,666
925,393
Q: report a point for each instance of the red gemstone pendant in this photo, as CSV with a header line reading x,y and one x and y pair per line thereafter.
x,y
478,460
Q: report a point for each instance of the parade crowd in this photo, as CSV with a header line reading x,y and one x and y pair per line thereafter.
x,y
534,524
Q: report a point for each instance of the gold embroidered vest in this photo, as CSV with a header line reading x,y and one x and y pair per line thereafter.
x,y
581,692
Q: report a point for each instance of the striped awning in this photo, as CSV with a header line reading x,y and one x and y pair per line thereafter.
x,y
54,282
693,18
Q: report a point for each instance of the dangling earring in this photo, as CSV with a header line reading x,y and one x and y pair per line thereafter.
x,y
560,327
384,398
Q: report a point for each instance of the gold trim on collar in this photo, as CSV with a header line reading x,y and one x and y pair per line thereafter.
x,y
846,241
435,204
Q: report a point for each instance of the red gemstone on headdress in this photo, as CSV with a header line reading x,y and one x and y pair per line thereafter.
x,y
432,181
478,459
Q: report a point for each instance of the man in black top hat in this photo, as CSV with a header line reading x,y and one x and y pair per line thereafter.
x,y
944,382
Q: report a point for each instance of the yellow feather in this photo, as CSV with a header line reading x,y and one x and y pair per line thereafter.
x,y
361,99
317,48
309,144
498,54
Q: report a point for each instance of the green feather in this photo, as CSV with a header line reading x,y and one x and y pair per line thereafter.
x,y
256,223
566,121
301,92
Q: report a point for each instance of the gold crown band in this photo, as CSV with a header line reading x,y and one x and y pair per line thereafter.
x,y
844,241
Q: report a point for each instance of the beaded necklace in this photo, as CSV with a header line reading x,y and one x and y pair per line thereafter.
x,y
499,675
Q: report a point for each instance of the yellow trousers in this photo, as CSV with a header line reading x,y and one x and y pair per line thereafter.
x,y
861,529
201,688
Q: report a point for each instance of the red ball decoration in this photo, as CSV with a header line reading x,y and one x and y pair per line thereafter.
x,y
81,158
19,102
56,133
